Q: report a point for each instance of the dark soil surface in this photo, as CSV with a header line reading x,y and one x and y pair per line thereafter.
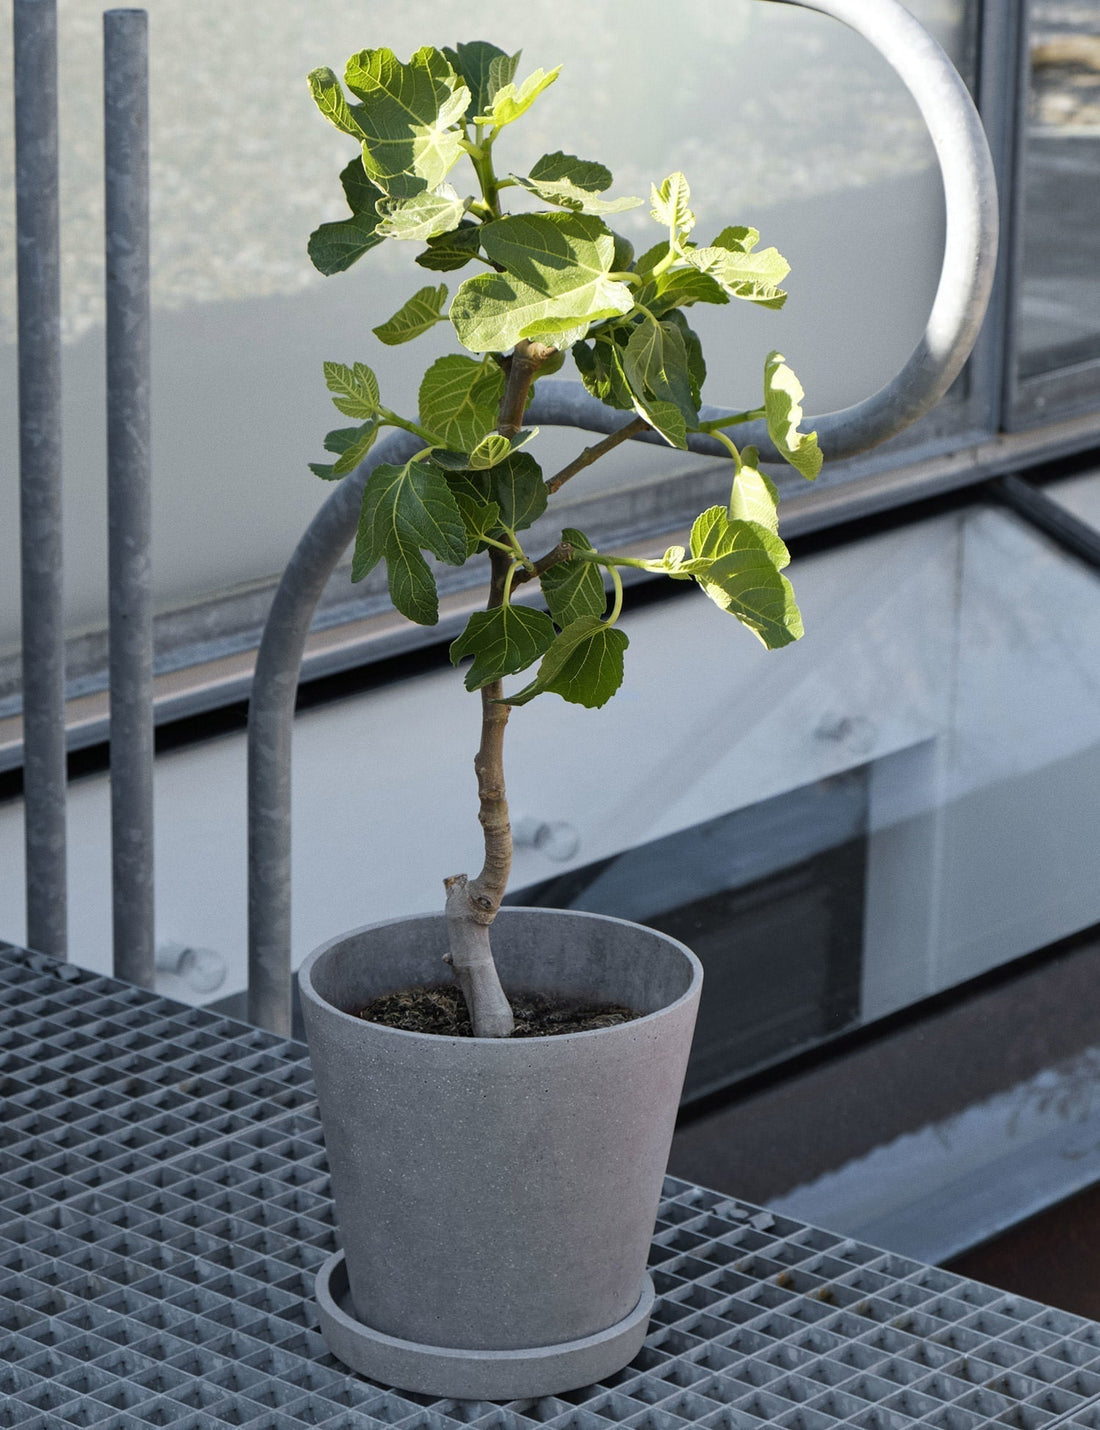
x,y
441,1009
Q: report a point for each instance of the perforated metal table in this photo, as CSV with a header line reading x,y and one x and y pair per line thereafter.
x,y
164,1203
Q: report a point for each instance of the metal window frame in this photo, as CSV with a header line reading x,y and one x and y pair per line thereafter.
x,y
1032,403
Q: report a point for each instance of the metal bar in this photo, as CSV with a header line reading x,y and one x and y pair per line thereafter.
x,y
961,298
1048,516
1003,111
126,167
270,723
39,326
1016,215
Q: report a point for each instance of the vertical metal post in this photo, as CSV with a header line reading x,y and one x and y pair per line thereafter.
x,y
39,326
126,165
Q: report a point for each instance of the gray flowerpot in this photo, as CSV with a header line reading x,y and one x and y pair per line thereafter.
x,y
496,1198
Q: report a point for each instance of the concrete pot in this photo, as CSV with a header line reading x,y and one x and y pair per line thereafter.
x,y
496,1198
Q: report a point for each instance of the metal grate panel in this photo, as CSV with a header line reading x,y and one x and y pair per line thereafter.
x,y
164,1204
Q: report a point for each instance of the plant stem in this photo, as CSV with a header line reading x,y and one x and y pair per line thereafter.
x,y
472,904
616,609
391,419
717,423
595,452
481,156
725,441
562,552
527,357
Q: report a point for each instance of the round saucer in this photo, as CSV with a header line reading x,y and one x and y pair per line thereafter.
x,y
473,1374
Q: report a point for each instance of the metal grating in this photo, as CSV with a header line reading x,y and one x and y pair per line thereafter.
x,y
164,1203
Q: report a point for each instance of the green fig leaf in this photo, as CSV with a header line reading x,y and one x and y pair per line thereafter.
x,y
459,398
451,250
502,642
755,496
331,101
422,217
584,665
485,69
574,588
572,183
406,510
406,118
555,286
783,396
517,487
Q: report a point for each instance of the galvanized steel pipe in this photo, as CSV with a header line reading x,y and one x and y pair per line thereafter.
x,y
270,723
39,329
129,506
962,295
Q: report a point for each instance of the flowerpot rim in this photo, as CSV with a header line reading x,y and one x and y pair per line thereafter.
x,y
310,994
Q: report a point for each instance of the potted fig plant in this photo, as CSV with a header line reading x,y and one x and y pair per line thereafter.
x,y
496,1193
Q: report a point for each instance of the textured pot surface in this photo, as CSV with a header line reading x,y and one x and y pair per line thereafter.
x,y
500,1194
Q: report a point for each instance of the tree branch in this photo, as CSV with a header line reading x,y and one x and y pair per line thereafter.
x,y
527,357
562,552
595,452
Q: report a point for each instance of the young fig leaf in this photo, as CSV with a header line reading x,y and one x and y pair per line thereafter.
x,y
419,314
783,396
493,449
572,183
485,68
510,102
670,206
742,274
422,217
355,388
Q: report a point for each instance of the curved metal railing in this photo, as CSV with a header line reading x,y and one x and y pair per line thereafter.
x,y
966,278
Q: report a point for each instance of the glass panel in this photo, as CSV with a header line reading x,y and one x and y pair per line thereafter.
x,y
779,116
900,801
1080,495
1059,321
770,898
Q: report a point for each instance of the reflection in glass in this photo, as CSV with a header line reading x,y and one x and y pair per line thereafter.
x,y
770,899
1060,295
